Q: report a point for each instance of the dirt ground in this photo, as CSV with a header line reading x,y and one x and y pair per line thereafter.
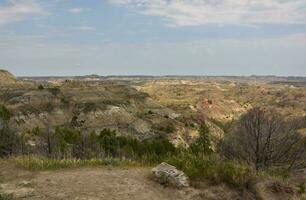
x,y
114,183
95,183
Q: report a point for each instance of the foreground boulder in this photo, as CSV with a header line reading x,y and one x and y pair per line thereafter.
x,y
168,175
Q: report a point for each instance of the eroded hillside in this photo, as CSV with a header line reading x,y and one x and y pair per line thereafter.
x,y
143,108
90,106
225,100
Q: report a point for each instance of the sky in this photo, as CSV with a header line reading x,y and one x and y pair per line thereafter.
x,y
153,37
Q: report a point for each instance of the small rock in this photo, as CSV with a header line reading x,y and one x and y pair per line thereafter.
x,y
25,184
168,175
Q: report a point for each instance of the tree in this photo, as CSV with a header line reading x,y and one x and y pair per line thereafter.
x,y
41,87
203,144
263,138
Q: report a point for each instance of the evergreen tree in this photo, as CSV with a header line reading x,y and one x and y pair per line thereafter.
x,y
203,144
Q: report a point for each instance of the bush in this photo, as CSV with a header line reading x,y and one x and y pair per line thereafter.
x,y
301,188
212,168
152,150
6,197
8,138
67,142
5,114
41,87
70,148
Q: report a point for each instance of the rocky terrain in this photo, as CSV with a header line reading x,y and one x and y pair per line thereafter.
x,y
6,76
89,106
225,100
143,107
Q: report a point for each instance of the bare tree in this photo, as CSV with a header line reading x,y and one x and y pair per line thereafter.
x,y
264,139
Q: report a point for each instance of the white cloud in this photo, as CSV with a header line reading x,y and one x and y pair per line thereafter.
x,y
17,10
77,10
199,12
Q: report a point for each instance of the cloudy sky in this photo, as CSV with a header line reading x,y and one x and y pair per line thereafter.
x,y
153,37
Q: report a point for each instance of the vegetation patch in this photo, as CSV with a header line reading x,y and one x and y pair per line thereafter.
x,y
213,168
302,188
37,163
6,196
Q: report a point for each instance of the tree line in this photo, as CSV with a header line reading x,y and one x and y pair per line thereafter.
x,y
262,138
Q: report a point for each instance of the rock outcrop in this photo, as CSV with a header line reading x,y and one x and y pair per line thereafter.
x,y
6,76
168,175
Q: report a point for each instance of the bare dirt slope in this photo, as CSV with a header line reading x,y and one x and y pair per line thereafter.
x,y
99,183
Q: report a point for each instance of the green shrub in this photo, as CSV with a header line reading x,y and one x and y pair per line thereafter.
x,y
301,188
68,143
111,145
8,138
5,114
212,168
40,87
6,196
203,144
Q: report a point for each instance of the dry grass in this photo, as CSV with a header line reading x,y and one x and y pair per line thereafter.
x,y
35,163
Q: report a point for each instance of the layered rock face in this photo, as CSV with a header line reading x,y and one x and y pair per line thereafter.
x,y
6,76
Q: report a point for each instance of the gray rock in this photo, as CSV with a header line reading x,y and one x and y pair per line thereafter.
x,y
168,175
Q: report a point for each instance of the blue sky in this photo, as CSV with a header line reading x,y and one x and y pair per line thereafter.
x,y
153,37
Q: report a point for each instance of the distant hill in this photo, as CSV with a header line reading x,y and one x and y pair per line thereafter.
x,y
6,76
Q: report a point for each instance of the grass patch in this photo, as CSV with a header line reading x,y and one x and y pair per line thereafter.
x,y
213,168
281,173
6,196
301,188
35,163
